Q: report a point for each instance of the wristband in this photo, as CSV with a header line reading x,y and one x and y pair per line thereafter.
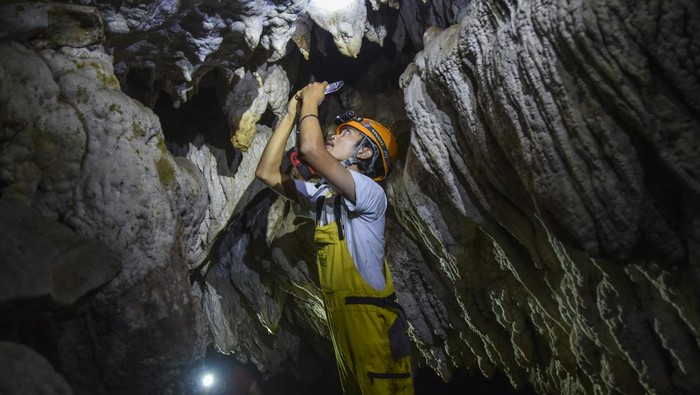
x,y
308,115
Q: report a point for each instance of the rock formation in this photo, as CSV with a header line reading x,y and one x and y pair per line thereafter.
x,y
544,212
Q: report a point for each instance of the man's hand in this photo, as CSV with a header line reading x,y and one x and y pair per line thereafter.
x,y
314,93
294,104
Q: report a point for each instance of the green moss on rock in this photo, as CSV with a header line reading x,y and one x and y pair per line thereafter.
x,y
166,172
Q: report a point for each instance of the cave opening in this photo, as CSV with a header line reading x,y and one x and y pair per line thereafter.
x,y
197,121
376,69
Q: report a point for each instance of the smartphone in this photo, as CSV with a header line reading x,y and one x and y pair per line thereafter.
x,y
333,87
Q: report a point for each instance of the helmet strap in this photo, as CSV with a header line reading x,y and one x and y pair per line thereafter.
x,y
352,159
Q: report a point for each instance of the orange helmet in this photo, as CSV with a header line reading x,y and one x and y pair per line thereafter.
x,y
380,136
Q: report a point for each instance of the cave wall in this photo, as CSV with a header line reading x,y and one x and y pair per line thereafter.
x,y
544,218
92,160
556,147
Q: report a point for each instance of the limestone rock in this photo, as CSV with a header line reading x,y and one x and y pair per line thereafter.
x,y
54,23
270,90
42,259
182,42
246,293
417,16
26,372
302,35
542,124
345,21
115,182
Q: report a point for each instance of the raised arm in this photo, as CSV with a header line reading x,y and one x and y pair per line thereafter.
x,y
269,169
313,146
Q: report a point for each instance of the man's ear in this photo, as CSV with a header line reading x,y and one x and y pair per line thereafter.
x,y
365,153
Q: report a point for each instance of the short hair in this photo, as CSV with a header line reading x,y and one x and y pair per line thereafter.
x,y
372,166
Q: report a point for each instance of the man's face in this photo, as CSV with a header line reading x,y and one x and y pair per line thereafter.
x,y
342,145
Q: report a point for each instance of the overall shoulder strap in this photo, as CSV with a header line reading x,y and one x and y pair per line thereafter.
x,y
338,214
319,208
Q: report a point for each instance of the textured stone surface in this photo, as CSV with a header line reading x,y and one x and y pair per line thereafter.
x,y
346,23
180,42
26,372
42,259
53,23
568,133
268,90
245,276
77,149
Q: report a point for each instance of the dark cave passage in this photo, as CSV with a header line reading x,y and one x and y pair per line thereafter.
x,y
201,115
231,377
375,70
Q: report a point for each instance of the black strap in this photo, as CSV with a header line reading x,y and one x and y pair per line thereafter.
x,y
382,146
388,375
388,302
337,212
319,208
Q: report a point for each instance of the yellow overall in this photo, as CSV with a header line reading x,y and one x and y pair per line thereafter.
x,y
368,327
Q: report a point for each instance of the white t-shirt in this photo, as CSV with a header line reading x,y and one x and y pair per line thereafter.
x,y
363,222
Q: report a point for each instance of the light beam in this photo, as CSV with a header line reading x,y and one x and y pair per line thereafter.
x,y
332,5
207,380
